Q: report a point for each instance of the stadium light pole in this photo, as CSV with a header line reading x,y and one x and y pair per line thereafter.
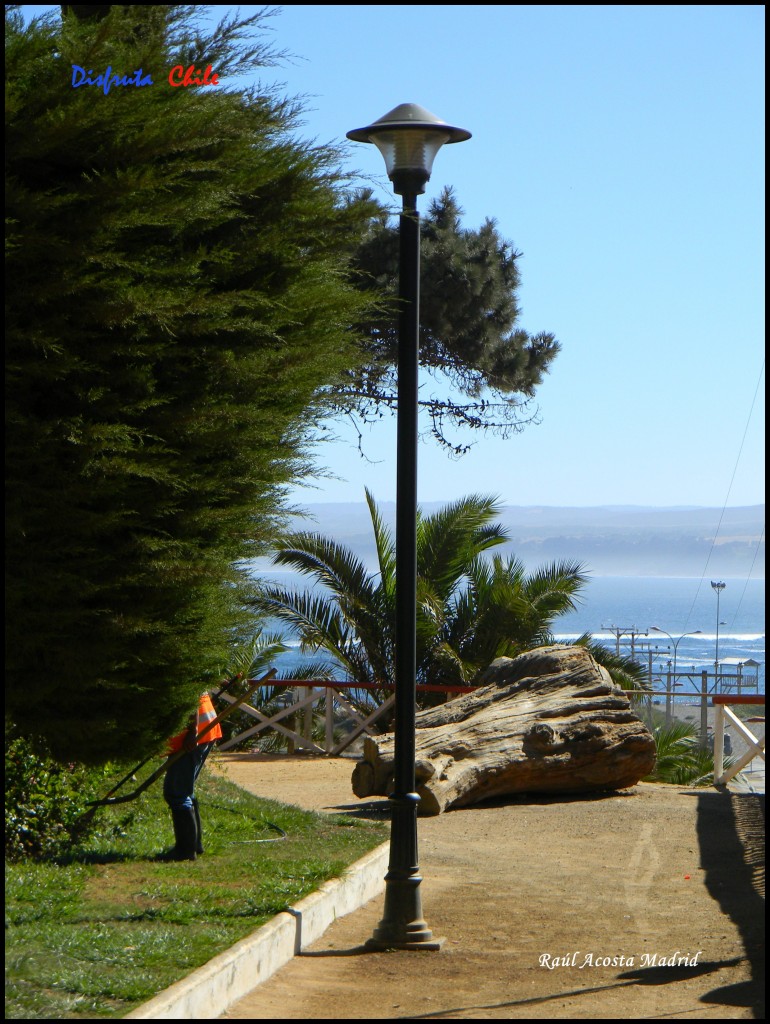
x,y
718,587
408,137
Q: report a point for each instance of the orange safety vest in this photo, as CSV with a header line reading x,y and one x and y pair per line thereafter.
x,y
206,714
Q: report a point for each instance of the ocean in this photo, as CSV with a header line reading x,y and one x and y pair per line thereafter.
x,y
616,606
619,609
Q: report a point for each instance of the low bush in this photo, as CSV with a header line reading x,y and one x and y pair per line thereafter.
x,y
44,802
680,758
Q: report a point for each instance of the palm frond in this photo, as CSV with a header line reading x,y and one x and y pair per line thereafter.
x,y
327,562
451,538
679,757
625,672
554,588
316,620
252,657
386,548
309,670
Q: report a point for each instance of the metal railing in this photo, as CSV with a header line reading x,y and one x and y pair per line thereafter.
x,y
703,686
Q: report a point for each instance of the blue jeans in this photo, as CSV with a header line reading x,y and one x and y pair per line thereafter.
x,y
179,783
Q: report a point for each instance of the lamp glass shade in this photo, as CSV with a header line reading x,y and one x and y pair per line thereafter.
x,y
409,137
409,149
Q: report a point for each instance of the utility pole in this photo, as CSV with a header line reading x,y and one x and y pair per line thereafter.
x,y
619,631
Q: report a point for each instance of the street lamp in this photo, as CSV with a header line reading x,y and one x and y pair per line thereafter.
x,y
676,643
718,587
408,138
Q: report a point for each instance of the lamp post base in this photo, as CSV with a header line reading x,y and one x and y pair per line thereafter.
x,y
396,933
402,925
429,945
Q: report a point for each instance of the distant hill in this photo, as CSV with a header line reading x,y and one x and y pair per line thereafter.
x,y
612,540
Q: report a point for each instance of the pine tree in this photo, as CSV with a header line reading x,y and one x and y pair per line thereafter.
x,y
488,367
176,303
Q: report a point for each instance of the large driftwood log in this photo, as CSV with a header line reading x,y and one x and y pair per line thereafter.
x,y
549,721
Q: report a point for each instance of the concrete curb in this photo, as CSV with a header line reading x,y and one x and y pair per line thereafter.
x,y
208,992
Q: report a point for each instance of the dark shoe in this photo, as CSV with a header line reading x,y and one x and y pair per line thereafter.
x,y
185,834
199,837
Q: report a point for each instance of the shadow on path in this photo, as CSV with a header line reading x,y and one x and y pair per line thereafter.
x,y
646,976
731,839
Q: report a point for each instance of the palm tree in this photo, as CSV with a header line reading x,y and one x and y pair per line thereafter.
x,y
469,611
681,759
501,612
353,618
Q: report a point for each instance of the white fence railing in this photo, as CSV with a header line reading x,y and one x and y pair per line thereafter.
x,y
294,720
756,746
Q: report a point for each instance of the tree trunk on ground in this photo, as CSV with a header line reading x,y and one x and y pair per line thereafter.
x,y
549,721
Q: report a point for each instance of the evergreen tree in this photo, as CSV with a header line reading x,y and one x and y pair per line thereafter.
x,y
176,302
469,338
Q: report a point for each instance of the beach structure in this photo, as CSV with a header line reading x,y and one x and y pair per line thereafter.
x,y
734,675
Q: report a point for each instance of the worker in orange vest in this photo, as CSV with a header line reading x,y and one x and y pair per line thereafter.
x,y
179,783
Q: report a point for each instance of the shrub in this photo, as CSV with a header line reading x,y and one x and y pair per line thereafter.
x,y
44,802
681,759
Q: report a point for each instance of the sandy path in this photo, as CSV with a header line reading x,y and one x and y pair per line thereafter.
x,y
652,873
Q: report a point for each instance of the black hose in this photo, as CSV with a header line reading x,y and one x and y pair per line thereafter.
x,y
275,828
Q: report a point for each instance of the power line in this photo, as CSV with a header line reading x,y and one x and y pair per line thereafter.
x,y
746,584
727,498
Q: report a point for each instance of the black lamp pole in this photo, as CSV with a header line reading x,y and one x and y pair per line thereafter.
x,y
402,924
409,138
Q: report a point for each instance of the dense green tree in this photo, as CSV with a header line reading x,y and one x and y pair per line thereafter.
x,y
469,610
177,309
181,311
485,366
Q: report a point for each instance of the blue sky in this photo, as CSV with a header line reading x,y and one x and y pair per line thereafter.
x,y
620,148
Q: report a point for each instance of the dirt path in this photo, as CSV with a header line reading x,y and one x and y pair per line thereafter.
x,y
551,909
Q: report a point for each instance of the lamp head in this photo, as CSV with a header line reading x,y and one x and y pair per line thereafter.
x,y
409,137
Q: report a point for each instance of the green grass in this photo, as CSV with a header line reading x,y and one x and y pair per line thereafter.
x,y
105,931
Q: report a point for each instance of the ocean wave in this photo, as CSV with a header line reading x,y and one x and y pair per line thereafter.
x,y
701,638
